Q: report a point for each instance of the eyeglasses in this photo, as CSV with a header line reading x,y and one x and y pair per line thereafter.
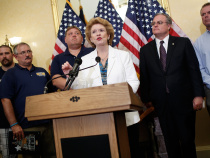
x,y
24,52
158,23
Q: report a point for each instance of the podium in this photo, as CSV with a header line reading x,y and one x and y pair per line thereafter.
x,y
90,118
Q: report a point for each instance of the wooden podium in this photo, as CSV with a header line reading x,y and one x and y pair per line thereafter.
x,y
83,113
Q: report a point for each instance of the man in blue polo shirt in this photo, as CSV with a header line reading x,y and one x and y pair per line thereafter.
x,y
23,80
6,60
73,39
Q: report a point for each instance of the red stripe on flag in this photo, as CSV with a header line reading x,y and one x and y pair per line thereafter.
x,y
129,47
58,49
53,57
150,39
173,33
133,34
137,68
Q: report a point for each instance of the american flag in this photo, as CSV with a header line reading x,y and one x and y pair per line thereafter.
x,y
106,11
81,15
137,30
69,18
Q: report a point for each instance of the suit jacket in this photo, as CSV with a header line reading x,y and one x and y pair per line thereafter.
x,y
182,75
120,69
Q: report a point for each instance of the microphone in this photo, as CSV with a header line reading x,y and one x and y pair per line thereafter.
x,y
74,71
78,60
77,63
97,59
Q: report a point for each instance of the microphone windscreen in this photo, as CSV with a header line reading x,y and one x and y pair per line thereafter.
x,y
78,61
98,59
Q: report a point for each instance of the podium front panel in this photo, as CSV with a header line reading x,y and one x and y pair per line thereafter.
x,y
93,125
89,146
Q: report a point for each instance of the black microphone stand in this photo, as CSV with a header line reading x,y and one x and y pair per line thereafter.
x,y
45,87
72,76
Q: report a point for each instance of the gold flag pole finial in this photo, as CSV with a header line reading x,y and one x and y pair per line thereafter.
x,y
69,3
7,42
112,3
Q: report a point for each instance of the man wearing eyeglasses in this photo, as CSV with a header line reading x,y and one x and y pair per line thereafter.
x,y
171,82
23,80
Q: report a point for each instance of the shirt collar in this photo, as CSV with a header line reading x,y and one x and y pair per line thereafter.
x,y
165,40
21,68
68,53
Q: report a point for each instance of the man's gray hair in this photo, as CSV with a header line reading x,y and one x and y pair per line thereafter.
x,y
19,44
168,18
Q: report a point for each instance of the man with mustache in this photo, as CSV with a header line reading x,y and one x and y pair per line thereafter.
x,y
202,49
23,80
6,59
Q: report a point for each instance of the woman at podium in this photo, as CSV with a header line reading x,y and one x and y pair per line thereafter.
x,y
115,66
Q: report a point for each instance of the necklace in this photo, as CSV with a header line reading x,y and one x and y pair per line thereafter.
x,y
105,57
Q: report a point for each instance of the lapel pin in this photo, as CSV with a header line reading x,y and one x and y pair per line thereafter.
x,y
173,44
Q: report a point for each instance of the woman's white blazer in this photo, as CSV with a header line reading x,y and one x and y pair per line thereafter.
x,y
120,69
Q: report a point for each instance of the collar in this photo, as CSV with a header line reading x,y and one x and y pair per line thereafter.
x,y
69,53
21,68
165,40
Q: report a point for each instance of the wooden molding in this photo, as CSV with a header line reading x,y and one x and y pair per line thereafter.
x,y
165,5
55,15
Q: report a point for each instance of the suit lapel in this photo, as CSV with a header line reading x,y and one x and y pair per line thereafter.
x,y
155,54
111,60
171,46
93,62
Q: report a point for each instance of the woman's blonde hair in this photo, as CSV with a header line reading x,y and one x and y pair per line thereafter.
x,y
105,23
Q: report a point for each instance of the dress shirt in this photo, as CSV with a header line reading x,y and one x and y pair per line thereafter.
x,y
165,44
202,49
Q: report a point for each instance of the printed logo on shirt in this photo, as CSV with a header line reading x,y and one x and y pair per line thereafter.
x,y
40,73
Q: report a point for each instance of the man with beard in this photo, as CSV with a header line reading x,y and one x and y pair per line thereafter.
x,y
23,80
6,59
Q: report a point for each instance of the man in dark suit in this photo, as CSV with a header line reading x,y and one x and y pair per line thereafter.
x,y
170,80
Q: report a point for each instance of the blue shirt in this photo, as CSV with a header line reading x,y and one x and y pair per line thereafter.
x,y
104,72
66,56
18,83
3,120
202,49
